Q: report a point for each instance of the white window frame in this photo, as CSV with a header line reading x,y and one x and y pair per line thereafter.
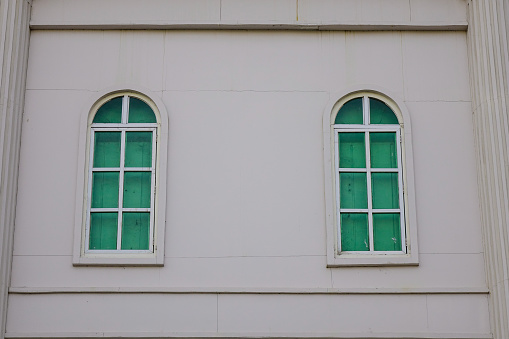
x,y
154,256
409,253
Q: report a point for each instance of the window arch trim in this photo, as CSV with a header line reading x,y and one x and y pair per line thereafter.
x,y
334,257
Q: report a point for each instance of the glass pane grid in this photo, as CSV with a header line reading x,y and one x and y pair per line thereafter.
x,y
384,213
112,234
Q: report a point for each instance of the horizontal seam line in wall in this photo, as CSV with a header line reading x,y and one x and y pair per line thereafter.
x,y
162,290
453,253
196,257
189,90
253,335
459,25
452,101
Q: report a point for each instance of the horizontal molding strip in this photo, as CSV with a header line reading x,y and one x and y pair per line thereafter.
x,y
352,26
223,290
128,335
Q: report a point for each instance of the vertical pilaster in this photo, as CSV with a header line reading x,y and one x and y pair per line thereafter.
x,y
489,67
14,34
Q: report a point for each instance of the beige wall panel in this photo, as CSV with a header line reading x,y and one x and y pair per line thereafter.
x,y
112,313
47,177
178,273
449,271
375,58
263,61
94,60
436,271
458,313
245,170
246,174
322,313
258,10
326,11
230,12
121,10
350,314
438,10
435,66
445,177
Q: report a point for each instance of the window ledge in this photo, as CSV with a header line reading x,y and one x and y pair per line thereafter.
x,y
118,260
342,260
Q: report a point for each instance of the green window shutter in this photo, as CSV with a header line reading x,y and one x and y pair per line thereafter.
x,y
354,232
353,190
350,112
107,149
105,187
122,176
103,231
135,231
138,149
110,112
137,188
387,232
380,113
140,112
352,150
371,211
385,190
383,150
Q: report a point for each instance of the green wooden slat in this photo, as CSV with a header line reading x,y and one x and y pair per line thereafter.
x,y
352,150
350,112
138,149
383,150
103,231
385,190
386,232
140,112
110,112
135,231
353,190
354,232
107,149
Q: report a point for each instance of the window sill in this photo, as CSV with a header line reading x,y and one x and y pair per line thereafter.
x,y
118,260
342,260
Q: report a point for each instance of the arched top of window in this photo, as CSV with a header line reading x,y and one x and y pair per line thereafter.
x,y
365,110
124,109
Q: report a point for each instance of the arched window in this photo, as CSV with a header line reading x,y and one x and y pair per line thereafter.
x,y
369,182
121,220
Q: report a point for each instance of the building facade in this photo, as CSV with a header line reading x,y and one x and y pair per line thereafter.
x,y
249,169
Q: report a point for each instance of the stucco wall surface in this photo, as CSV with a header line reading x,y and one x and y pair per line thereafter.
x,y
245,181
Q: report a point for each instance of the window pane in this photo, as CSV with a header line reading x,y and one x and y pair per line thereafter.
x,y
137,189
140,112
383,151
107,149
103,231
350,112
380,113
138,149
353,190
386,232
385,190
354,232
105,189
352,150
110,112
135,231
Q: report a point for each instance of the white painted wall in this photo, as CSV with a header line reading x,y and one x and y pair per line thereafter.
x,y
245,205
